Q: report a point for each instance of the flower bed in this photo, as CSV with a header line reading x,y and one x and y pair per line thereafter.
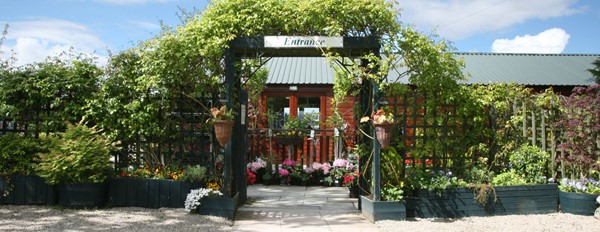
x,y
459,202
148,193
27,190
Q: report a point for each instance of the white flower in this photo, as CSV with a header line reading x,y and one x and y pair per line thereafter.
x,y
193,198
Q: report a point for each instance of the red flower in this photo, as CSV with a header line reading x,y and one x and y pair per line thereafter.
x,y
408,161
348,179
251,177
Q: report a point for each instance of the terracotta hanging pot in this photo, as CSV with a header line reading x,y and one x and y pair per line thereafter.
x,y
223,129
384,134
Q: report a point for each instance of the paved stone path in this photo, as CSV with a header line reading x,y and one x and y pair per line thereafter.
x,y
297,208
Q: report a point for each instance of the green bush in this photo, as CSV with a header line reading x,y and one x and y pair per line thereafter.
x,y
17,154
194,173
530,163
510,178
81,154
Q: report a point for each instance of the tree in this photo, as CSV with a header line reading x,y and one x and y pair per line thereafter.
x,y
596,71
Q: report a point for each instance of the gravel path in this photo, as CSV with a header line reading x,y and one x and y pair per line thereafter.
x,y
43,218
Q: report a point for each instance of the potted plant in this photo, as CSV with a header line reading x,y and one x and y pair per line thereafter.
x,y
579,123
579,196
210,201
222,119
383,120
292,133
78,160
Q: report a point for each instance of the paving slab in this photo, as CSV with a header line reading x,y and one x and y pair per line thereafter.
x,y
297,208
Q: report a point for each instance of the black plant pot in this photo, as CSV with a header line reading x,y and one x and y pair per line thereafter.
x,y
81,195
577,203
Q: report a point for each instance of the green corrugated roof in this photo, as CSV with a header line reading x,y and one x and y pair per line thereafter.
x,y
299,70
529,69
482,68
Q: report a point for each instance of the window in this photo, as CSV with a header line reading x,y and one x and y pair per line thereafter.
x,y
309,111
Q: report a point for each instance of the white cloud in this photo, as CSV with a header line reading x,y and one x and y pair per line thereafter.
x,y
129,2
146,25
458,19
549,41
34,40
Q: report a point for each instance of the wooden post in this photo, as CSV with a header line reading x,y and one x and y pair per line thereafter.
x,y
533,129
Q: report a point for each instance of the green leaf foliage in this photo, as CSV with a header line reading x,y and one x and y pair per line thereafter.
x,y
81,154
47,94
18,154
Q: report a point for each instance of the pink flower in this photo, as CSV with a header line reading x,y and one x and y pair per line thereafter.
x,y
317,166
309,170
350,166
289,162
340,163
326,167
283,172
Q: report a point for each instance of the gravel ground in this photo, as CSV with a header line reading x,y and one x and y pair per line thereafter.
x,y
524,223
42,218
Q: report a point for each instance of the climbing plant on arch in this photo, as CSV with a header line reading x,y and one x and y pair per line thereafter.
x,y
190,59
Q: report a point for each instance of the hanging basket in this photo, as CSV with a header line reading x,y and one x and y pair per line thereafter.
x,y
223,129
384,134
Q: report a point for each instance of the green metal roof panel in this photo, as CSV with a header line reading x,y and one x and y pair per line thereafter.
x,y
481,68
528,69
299,70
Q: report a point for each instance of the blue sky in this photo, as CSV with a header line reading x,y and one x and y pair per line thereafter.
x,y
38,28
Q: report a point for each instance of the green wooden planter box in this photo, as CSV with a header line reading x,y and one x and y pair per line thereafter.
x,y
577,203
82,195
27,190
219,206
382,210
148,193
459,202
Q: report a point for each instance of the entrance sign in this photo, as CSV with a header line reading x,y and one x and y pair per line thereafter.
x,y
304,41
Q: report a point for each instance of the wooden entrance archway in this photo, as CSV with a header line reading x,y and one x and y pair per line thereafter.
x,y
285,46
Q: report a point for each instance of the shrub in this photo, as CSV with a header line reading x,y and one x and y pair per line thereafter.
x,y
530,163
79,155
17,154
194,173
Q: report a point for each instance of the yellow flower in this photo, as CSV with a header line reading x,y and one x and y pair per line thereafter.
x,y
214,186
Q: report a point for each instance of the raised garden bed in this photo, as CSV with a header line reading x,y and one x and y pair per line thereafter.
x,y
382,210
80,195
459,202
27,190
149,193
